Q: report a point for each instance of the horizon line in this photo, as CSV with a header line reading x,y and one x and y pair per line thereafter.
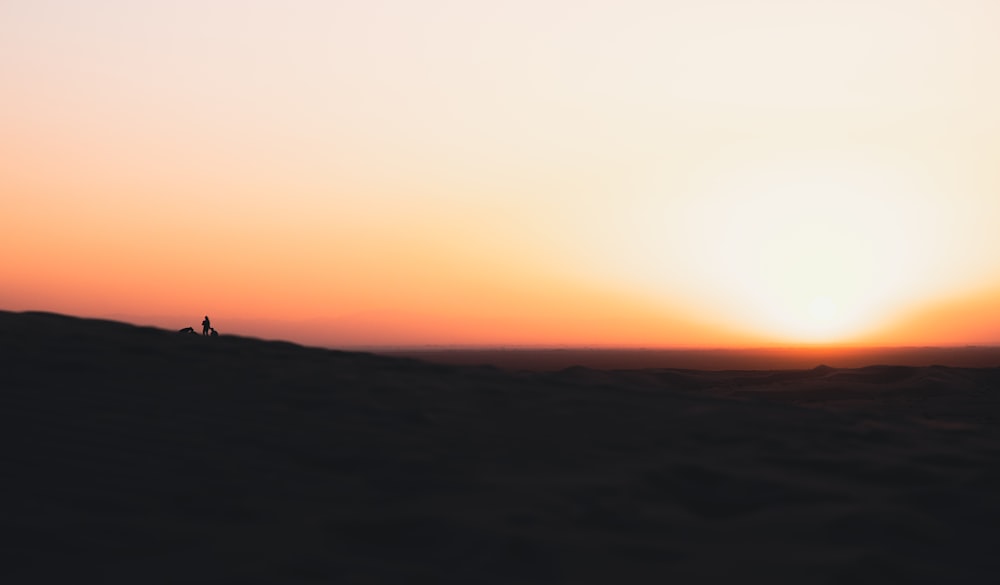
x,y
776,346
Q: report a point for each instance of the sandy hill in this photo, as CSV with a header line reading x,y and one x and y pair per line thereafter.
x,y
136,455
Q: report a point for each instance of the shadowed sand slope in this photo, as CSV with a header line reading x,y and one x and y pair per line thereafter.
x,y
135,455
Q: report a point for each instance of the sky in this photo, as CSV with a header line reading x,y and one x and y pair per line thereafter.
x,y
533,173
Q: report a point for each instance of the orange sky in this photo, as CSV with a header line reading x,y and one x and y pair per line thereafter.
x,y
520,173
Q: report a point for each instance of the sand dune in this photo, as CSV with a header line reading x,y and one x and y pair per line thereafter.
x,y
773,358
136,455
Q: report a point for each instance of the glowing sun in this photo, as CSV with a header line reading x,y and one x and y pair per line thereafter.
x,y
823,311
807,252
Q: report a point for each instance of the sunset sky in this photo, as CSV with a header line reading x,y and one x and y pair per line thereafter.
x,y
543,172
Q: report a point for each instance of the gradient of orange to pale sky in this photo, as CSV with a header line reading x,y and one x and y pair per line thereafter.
x,y
543,172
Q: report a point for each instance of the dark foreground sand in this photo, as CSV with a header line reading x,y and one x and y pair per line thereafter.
x,y
135,455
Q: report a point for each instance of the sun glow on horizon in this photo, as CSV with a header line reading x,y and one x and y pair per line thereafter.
x,y
809,247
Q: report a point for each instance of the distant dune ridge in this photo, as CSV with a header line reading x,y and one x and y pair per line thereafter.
x,y
772,358
138,455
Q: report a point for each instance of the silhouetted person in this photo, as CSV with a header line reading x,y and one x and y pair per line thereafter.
x,y
214,332
205,326
187,330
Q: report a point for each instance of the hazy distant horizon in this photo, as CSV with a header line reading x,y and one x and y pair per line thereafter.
x,y
766,358
557,357
291,331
